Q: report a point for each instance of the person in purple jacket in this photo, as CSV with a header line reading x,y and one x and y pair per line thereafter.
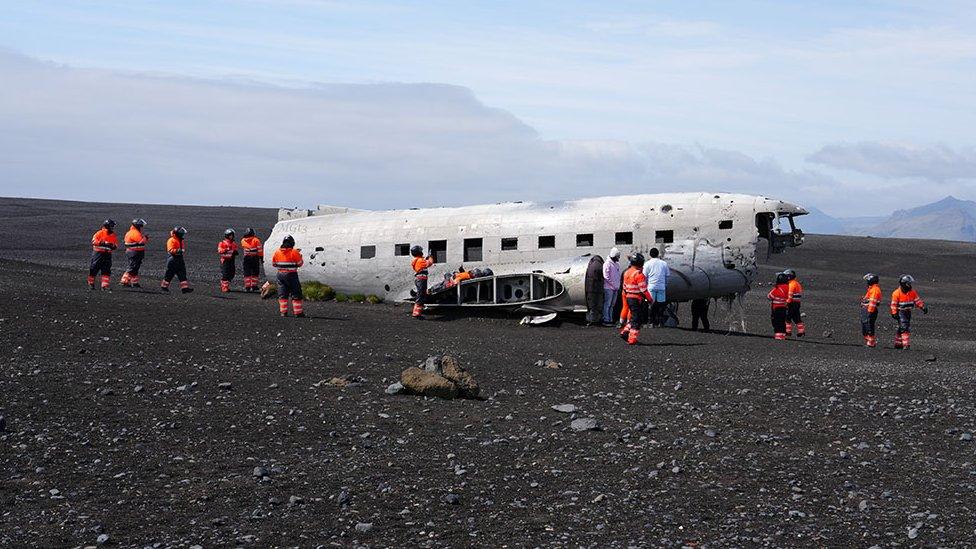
x,y
611,285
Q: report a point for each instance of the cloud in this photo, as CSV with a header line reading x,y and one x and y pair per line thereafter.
x,y
104,135
937,163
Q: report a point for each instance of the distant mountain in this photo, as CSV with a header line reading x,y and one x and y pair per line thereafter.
x,y
947,219
820,222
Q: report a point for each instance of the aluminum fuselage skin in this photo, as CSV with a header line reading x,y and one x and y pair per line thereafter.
x,y
712,248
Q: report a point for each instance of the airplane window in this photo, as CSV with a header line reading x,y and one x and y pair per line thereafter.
x,y
725,224
509,244
547,242
401,249
472,249
664,236
367,252
624,238
438,249
583,240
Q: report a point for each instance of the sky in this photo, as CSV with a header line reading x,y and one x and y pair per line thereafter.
x,y
857,108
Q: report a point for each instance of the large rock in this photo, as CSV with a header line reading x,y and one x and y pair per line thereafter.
x,y
419,382
466,385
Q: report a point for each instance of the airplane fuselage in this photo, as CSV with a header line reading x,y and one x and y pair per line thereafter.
x,y
708,239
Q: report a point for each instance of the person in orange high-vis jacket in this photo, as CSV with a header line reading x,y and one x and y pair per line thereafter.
x,y
637,297
103,243
794,296
903,300
227,251
869,309
624,309
135,251
287,260
253,254
175,261
779,299
420,264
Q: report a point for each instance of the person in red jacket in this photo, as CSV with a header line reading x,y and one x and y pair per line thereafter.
x,y
103,243
779,299
420,264
794,297
175,262
135,251
869,309
227,251
287,260
638,298
253,254
903,300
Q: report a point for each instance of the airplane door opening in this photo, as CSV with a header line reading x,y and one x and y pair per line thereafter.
x,y
438,250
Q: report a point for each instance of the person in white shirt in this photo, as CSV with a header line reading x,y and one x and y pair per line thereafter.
x,y
657,273
611,284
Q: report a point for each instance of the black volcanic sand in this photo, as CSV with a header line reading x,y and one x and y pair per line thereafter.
x,y
115,422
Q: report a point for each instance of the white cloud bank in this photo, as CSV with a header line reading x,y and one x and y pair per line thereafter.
x,y
938,163
93,134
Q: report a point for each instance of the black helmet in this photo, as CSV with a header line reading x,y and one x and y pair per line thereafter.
x,y
109,223
288,242
139,222
782,278
248,232
229,233
871,278
179,232
790,274
637,259
906,281
416,250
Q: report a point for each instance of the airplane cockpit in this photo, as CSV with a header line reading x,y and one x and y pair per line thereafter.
x,y
778,225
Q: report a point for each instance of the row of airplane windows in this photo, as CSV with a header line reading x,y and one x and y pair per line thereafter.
x,y
473,247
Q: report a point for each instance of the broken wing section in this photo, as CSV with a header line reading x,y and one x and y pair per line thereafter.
x,y
551,286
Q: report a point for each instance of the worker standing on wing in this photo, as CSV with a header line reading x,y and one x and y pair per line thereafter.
x,y
135,251
903,300
287,260
779,298
103,242
794,297
869,309
656,272
227,251
253,254
420,264
176,262
638,298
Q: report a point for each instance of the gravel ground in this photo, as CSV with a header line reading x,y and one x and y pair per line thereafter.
x,y
142,418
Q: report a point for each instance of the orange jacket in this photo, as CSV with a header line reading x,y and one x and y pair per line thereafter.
x,y
104,241
872,298
287,260
420,265
252,246
779,296
175,246
905,301
135,241
227,250
794,292
466,275
635,285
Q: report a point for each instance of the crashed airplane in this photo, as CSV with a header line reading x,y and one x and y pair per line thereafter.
x,y
538,252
